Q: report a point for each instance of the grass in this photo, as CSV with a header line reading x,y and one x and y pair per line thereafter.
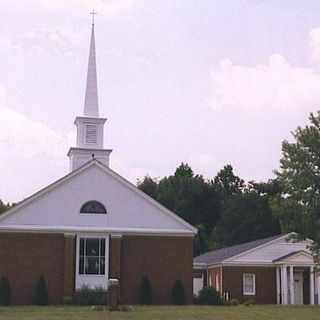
x,y
163,313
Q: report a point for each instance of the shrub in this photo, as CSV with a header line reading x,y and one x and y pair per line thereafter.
x,y
249,302
234,302
5,291
68,300
145,291
41,296
87,296
177,294
208,295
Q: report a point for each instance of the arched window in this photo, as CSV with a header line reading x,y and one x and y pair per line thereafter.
x,y
93,207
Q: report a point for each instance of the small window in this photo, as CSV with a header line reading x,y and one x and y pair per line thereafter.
x,y
92,256
93,207
249,284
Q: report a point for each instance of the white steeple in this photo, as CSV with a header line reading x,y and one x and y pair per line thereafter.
x,y
90,126
91,99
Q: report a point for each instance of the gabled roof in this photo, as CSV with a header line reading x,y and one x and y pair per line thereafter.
x,y
94,162
217,256
294,254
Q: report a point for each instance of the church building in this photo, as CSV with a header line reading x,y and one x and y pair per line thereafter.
x,y
92,225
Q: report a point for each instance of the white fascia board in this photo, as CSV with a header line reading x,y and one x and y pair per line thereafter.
x,y
200,265
113,174
259,247
113,230
45,190
247,264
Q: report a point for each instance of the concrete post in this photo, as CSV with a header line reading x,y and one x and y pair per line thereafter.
x,y
113,294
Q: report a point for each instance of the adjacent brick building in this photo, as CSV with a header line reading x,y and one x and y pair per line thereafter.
x,y
273,270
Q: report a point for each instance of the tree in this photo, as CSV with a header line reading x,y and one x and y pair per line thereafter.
x,y
145,291
227,183
5,291
4,207
245,217
177,294
41,296
149,186
298,206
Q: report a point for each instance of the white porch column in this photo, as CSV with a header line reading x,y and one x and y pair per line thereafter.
x,y
318,287
311,285
278,284
291,286
284,285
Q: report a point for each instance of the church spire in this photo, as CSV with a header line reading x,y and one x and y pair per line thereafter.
x,y
90,126
91,107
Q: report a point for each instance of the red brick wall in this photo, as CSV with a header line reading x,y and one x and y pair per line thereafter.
x,y
213,272
265,283
24,257
162,259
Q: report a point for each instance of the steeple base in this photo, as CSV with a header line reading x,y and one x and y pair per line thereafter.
x,y
79,156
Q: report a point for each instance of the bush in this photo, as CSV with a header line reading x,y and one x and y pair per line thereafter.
x,y
87,296
249,302
5,291
145,291
177,293
233,302
41,296
209,296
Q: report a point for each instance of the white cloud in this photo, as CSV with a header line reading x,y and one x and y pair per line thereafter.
x,y
30,147
314,42
109,8
275,85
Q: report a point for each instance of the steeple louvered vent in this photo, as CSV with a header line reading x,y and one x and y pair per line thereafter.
x,y
91,134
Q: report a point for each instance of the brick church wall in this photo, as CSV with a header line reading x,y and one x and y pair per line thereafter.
x,y
25,256
162,259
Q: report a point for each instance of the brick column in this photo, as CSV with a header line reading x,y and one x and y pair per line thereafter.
x,y
115,256
69,265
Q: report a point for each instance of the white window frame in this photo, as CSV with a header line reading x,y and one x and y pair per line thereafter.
x,y
244,284
92,280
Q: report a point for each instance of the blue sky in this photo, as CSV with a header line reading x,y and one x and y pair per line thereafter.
x,y
204,82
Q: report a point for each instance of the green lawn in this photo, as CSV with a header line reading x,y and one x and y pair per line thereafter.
x,y
163,313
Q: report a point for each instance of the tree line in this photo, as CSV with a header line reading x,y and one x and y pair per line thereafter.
x,y
228,211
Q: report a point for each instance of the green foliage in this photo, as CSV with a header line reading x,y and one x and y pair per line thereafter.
x,y
41,296
209,296
149,186
245,217
234,302
145,291
249,302
298,206
87,296
4,207
178,294
184,171
227,183
5,291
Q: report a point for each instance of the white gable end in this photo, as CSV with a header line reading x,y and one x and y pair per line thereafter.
x,y
126,207
270,252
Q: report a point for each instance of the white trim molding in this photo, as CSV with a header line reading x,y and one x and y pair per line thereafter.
x,y
245,277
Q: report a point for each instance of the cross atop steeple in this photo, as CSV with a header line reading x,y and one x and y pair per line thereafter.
x,y
93,14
